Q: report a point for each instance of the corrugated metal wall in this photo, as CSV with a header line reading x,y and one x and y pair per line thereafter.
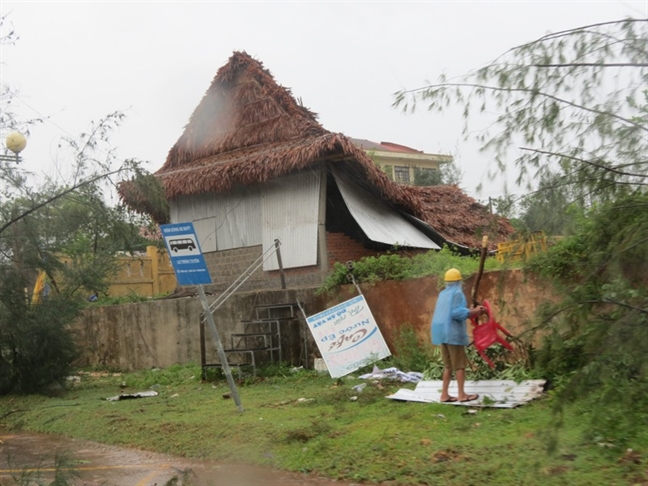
x,y
222,221
290,209
285,208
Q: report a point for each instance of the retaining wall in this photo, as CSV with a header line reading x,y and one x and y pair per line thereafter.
x,y
164,332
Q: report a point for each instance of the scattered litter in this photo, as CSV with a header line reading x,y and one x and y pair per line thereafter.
x,y
320,365
304,400
227,395
74,379
470,411
393,374
440,415
359,387
131,396
296,369
353,398
174,395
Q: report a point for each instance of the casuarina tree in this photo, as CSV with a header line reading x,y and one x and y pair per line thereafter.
x,y
571,111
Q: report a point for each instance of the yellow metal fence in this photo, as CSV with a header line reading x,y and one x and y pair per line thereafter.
x,y
522,248
145,275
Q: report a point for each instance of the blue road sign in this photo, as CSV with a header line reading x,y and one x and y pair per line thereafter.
x,y
187,259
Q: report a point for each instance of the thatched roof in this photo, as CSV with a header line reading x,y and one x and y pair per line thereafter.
x,y
248,129
458,217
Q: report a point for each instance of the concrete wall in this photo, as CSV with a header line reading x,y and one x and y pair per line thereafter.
x,y
164,332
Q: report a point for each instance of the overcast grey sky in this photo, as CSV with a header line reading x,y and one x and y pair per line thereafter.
x,y
75,62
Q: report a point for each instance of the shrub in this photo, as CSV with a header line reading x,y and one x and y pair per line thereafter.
x,y
37,347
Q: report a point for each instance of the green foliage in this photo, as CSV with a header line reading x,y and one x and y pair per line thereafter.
x,y
596,337
508,366
427,177
36,346
397,267
174,375
410,353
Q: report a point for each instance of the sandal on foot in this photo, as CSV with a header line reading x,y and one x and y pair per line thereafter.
x,y
470,398
449,400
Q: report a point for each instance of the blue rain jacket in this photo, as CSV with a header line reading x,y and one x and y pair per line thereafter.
x,y
450,314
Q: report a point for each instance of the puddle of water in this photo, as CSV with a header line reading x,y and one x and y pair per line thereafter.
x,y
100,464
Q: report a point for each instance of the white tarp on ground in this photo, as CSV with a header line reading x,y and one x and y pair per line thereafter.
x,y
492,393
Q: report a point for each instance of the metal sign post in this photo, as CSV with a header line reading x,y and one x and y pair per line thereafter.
x,y
219,347
190,269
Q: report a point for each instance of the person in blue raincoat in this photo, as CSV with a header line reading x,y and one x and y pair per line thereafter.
x,y
449,333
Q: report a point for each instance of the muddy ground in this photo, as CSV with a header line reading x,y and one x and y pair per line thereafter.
x,y
99,464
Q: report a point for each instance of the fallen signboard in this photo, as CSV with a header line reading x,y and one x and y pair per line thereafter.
x,y
348,337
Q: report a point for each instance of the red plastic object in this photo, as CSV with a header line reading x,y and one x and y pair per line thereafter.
x,y
486,334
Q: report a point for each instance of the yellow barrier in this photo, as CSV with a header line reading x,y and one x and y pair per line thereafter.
x,y
522,248
145,275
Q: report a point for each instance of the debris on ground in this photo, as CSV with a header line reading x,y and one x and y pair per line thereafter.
x,y
130,396
393,374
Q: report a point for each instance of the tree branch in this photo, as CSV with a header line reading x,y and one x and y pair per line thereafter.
x,y
592,64
623,304
523,90
57,196
584,161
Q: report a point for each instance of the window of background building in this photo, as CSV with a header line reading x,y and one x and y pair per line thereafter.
x,y
401,174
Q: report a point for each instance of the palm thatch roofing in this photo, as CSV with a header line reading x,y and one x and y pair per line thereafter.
x,y
248,129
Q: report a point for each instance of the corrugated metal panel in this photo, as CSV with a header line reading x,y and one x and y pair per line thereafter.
x,y
290,208
378,220
238,218
223,221
206,232
492,393
191,208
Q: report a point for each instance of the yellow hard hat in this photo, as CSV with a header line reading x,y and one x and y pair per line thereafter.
x,y
452,275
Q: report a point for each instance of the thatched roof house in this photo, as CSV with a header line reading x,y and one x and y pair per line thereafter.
x,y
248,133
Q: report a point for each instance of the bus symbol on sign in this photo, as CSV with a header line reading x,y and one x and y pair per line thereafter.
x,y
182,244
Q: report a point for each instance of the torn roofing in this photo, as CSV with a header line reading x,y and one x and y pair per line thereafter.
x,y
248,129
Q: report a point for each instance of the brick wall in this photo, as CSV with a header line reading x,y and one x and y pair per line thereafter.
x,y
341,249
228,265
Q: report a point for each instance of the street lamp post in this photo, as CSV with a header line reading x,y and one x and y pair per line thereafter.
x,y
15,142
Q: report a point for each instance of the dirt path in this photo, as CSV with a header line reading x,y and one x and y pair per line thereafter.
x,y
104,465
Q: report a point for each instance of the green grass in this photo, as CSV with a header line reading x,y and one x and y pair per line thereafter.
x,y
369,439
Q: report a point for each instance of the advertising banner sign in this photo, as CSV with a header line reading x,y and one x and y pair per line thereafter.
x,y
348,337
